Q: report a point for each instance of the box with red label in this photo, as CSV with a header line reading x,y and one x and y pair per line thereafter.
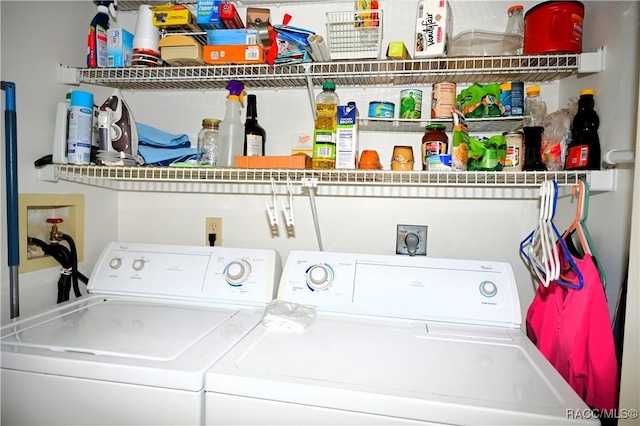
x,y
234,54
230,17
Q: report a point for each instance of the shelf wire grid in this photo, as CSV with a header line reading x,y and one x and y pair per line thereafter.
x,y
538,68
78,173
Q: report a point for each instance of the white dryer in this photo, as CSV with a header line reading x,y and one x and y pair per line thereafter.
x,y
136,349
396,340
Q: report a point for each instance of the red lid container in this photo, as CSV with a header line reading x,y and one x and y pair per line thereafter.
x,y
553,27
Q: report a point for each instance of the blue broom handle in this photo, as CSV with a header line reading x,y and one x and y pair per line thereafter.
x,y
11,157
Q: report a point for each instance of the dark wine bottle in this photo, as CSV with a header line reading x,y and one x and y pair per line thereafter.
x,y
255,136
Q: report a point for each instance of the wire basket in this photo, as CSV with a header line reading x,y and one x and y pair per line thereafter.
x,y
355,35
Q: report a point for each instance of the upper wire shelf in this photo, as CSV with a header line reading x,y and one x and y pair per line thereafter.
x,y
133,5
482,69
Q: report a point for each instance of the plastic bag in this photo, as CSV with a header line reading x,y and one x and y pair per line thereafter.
x,y
557,131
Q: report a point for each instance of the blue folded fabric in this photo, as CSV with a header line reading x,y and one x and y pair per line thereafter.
x,y
163,156
150,136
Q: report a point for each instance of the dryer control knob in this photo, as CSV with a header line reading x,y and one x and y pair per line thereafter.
x,y
138,264
115,263
319,277
488,289
237,272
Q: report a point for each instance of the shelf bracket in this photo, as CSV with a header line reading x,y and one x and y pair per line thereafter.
x,y
603,180
620,156
592,62
48,173
312,183
68,75
312,96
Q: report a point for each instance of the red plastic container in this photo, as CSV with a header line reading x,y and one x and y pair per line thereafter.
x,y
553,27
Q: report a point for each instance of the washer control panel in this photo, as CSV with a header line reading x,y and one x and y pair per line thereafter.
x,y
452,290
193,272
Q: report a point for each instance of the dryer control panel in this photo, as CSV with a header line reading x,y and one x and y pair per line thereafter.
x,y
190,272
451,290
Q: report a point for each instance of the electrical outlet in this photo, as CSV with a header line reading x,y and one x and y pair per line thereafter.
x,y
411,240
213,226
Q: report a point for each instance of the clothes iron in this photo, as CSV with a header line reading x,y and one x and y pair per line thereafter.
x,y
117,133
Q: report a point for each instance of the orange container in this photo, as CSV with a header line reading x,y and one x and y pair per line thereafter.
x,y
369,159
233,54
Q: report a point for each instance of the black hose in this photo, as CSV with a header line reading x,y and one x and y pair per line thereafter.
x,y
68,260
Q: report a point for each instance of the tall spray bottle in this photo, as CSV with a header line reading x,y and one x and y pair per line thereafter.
x,y
231,127
97,38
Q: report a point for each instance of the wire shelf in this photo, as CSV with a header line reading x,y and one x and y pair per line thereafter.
x,y
485,69
94,174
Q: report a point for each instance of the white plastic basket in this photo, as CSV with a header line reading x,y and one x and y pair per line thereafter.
x,y
355,35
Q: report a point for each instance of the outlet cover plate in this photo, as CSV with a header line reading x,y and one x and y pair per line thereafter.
x,y
419,230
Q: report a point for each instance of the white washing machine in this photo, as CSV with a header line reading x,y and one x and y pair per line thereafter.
x,y
396,340
136,349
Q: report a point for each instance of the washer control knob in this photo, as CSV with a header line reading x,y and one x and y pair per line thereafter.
x,y
237,272
138,264
488,289
319,277
115,263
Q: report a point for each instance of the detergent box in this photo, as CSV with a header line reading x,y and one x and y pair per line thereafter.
x,y
208,15
119,48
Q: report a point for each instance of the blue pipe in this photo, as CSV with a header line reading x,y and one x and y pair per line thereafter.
x,y
11,158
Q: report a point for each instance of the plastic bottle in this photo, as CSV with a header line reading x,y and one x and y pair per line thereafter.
x,y
208,142
80,127
583,152
515,24
535,109
255,136
533,149
97,38
231,128
324,134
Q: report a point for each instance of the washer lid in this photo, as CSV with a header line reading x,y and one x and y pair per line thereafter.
x,y
435,372
130,340
134,329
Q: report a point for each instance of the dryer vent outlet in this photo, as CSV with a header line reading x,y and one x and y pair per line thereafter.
x,y
411,240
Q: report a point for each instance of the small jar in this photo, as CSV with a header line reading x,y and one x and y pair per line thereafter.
x,y
208,142
434,142
515,151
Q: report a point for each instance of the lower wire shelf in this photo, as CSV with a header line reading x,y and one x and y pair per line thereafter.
x,y
92,174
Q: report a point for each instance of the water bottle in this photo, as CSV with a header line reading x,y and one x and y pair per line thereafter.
x,y
535,109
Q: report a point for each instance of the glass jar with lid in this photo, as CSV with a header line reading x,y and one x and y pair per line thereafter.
x,y
434,142
208,142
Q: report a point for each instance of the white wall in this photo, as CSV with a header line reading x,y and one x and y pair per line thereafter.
x,y
477,225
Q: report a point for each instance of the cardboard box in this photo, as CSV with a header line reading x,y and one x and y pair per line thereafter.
x,y
233,54
239,36
302,143
229,16
397,50
174,16
433,28
298,161
257,15
180,50
347,137
208,15
119,48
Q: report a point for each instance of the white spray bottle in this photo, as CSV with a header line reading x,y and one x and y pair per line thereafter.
x,y
231,127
